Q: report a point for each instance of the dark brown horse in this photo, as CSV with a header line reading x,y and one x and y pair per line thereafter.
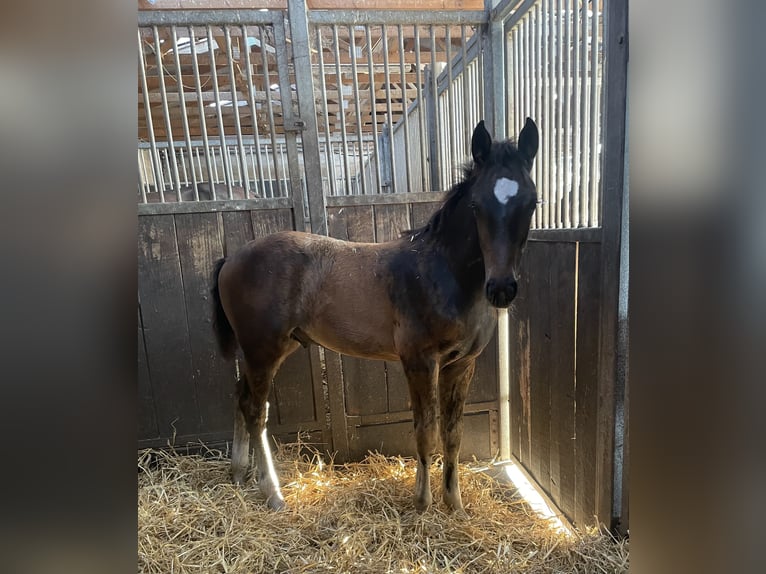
x,y
427,299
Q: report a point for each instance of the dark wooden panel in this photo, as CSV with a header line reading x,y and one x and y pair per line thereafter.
x,y
147,420
519,366
365,384
398,390
199,246
561,354
399,439
422,212
390,221
540,294
168,350
237,230
586,394
414,198
484,383
270,221
293,387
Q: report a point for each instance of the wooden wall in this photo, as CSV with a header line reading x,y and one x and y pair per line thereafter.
x,y
554,337
186,392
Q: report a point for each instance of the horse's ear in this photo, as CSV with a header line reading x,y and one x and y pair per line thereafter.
x,y
481,143
529,140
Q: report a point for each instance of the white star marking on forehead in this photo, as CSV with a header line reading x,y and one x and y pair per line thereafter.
x,y
505,189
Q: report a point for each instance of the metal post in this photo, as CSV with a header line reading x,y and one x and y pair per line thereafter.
x,y
299,33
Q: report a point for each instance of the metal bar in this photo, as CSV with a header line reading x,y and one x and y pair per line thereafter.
x,y
328,146
299,34
237,124
421,114
342,111
595,115
394,17
520,14
272,125
558,154
467,104
258,167
575,207
538,68
184,114
227,174
205,17
200,105
357,105
405,111
502,9
143,182
504,382
584,122
436,181
547,111
453,162
384,32
165,109
154,155
566,188
373,111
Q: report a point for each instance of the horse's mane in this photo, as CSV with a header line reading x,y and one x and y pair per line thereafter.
x,y
504,151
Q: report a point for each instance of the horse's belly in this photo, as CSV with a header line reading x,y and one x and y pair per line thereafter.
x,y
354,340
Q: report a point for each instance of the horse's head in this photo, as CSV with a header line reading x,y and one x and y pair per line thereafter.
x,y
503,199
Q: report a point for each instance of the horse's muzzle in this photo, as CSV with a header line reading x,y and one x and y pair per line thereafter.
x,y
500,292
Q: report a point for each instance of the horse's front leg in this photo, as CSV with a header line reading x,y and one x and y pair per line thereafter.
x,y
422,375
240,448
453,388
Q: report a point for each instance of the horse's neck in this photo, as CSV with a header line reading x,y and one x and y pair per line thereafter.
x,y
458,242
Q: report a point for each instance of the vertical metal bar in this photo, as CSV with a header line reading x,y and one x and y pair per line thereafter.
x,y
576,117
142,175
201,107
153,154
421,113
282,163
551,119
357,105
567,120
328,145
453,163
373,105
258,167
405,108
165,109
392,154
237,124
517,89
272,124
342,111
584,123
437,182
467,104
595,115
543,158
184,114
227,173
559,155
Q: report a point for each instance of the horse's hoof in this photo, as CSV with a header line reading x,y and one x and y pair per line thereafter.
x,y
239,478
276,503
422,504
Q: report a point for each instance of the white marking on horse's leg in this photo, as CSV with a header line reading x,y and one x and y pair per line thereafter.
x,y
240,448
268,482
505,189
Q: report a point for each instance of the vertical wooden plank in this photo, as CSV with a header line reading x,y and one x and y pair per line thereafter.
x,y
562,380
147,419
160,291
199,246
390,222
540,352
268,221
338,421
586,390
237,230
422,212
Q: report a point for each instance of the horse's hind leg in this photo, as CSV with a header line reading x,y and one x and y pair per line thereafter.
x,y
422,375
453,389
259,373
240,448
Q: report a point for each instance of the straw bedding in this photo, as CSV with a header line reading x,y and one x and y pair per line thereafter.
x,y
356,517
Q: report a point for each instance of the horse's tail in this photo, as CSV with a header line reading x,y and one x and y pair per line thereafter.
x,y
224,334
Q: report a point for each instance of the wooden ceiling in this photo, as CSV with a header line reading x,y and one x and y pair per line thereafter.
x,y
190,83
